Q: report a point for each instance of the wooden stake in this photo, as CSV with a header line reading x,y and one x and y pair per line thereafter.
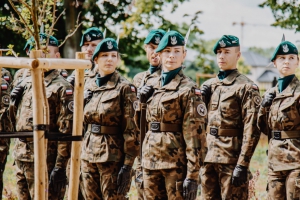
x,y
77,130
40,185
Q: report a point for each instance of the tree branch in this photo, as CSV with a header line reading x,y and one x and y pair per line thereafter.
x,y
12,51
35,25
70,35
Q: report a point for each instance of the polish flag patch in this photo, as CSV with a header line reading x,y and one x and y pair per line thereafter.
x,y
4,86
132,88
197,91
6,78
69,92
64,74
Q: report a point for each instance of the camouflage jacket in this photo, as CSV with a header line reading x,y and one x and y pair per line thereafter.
x,y
178,102
5,125
6,76
60,99
234,104
88,73
111,105
283,115
144,78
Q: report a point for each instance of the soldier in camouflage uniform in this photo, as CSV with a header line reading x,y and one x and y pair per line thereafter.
x,y
232,135
5,126
110,143
148,77
279,118
60,99
175,115
52,51
89,40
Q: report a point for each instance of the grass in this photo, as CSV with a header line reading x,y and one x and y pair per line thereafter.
x,y
258,163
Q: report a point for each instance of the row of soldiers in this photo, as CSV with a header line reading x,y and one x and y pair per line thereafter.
x,y
186,135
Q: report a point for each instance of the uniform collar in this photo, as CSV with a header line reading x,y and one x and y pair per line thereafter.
x,y
230,78
111,83
289,90
153,69
173,84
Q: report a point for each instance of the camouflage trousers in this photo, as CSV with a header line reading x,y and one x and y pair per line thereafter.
x,y
25,180
4,149
139,180
284,185
216,183
164,184
80,194
100,180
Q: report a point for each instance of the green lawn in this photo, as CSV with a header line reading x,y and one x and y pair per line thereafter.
x,y
258,165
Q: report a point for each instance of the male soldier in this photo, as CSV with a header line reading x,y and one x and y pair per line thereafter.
x,y
233,101
5,126
89,40
60,99
147,78
52,51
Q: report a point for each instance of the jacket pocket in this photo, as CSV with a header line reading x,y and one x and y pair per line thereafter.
x,y
297,189
171,107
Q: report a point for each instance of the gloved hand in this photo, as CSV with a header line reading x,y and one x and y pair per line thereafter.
x,y
190,187
58,179
87,95
206,93
124,178
71,79
239,176
145,93
16,93
267,101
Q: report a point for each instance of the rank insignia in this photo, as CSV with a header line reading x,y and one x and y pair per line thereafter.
x,y
201,110
173,40
71,106
6,99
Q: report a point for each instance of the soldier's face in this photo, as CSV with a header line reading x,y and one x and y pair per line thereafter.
x,y
89,48
51,52
286,64
172,57
152,57
107,62
227,58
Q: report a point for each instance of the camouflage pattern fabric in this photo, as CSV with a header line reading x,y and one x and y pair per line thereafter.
x,y
216,183
284,184
178,102
139,80
88,73
60,98
164,184
6,75
110,105
283,115
25,180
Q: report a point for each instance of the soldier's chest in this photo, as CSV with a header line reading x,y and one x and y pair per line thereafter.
x,y
165,102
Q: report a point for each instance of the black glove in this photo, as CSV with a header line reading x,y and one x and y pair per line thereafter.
x,y
190,189
239,176
58,179
71,79
267,101
145,93
124,178
206,93
16,93
87,95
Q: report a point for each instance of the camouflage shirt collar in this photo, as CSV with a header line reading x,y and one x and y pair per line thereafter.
x,y
111,83
174,83
48,79
289,90
230,78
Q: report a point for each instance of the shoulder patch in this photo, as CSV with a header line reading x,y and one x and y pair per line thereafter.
x,y
71,106
6,78
197,92
257,100
69,91
201,110
64,74
132,88
4,86
255,87
5,99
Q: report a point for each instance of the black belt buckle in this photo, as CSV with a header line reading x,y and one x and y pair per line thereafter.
x,y
277,135
155,126
96,128
214,132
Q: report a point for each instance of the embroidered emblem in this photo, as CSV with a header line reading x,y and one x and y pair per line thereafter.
x,y
255,87
135,105
222,43
157,40
64,74
109,45
88,37
69,92
201,109
5,100
197,91
4,86
94,35
99,35
173,40
233,42
285,48
132,88
257,100
71,106
6,78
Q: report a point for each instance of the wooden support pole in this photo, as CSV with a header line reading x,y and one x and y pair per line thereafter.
x,y
77,130
40,185
12,62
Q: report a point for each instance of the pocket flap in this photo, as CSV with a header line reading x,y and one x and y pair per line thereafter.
x,y
227,95
109,95
287,103
170,97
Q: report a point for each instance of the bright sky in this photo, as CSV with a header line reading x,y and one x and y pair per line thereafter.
x,y
218,16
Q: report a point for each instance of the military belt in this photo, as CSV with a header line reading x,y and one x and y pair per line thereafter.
x,y
163,127
278,135
26,139
99,129
223,132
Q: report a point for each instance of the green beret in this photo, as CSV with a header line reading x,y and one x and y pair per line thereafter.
x,y
43,39
284,48
226,41
91,34
170,39
106,45
154,36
